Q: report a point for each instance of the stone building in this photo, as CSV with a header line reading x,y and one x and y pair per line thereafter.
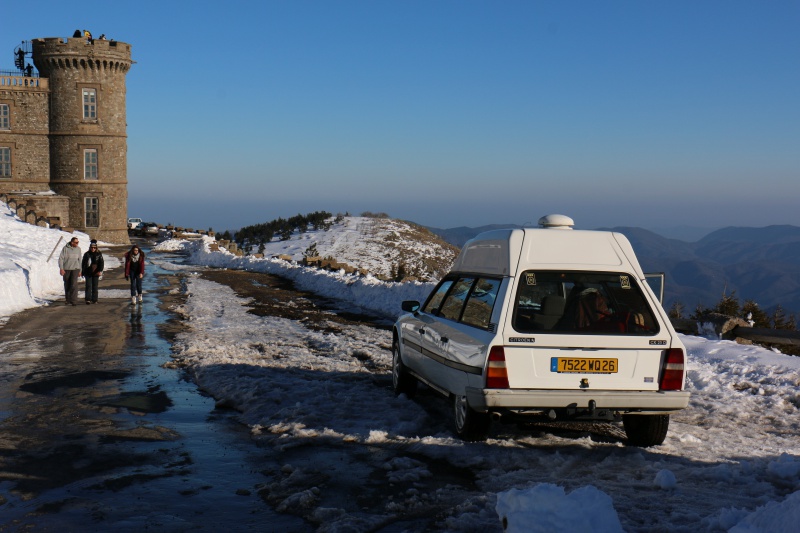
x,y
63,135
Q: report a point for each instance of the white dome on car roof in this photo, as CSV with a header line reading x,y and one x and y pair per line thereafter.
x,y
556,222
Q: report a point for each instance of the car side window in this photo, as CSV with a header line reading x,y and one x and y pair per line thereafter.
x,y
478,311
436,297
454,301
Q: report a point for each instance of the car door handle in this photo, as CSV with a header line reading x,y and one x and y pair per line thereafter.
x,y
444,339
422,331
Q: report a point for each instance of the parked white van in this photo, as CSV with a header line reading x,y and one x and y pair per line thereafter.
x,y
546,322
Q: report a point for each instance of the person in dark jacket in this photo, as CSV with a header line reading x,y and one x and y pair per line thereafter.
x,y
91,268
134,270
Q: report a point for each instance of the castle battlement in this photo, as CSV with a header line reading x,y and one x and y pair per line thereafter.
x,y
81,45
53,53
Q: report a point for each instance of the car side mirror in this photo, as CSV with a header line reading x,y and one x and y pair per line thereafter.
x,y
410,306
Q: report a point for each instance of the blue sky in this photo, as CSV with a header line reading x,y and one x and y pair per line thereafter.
x,y
451,113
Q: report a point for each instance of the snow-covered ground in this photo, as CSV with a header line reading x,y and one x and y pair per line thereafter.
x,y
731,461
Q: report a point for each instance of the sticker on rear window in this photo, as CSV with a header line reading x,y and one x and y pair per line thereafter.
x,y
530,278
625,282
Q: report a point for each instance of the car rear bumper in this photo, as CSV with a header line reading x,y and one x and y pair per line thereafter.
x,y
624,401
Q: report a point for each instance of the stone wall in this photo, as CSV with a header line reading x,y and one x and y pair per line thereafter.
x,y
27,135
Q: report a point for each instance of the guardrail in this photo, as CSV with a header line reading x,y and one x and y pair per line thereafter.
x,y
731,328
766,335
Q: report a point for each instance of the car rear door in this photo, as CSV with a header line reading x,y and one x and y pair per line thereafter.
x,y
607,338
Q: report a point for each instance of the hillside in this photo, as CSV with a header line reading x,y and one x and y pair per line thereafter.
x,y
760,264
379,245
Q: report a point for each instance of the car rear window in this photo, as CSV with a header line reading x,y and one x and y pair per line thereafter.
x,y
596,303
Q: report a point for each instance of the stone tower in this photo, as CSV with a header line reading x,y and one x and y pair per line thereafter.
x,y
88,130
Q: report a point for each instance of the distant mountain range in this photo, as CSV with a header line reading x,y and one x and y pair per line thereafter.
x,y
760,264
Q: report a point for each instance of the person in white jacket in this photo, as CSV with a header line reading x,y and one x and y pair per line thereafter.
x,y
69,264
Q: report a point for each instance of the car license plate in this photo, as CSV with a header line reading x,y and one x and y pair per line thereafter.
x,y
584,365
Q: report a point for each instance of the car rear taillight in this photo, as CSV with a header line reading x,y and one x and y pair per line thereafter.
x,y
496,373
672,375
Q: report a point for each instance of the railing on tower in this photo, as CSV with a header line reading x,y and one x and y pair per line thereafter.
x,y
11,78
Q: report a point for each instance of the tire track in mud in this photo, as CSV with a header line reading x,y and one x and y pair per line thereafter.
x,y
370,487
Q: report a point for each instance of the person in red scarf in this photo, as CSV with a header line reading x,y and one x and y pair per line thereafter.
x,y
134,270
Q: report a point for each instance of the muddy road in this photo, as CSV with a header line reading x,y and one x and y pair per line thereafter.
x,y
98,432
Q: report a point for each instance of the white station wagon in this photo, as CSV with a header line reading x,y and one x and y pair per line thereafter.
x,y
546,322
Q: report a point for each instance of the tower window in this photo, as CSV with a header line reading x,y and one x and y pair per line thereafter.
x,y
5,117
89,104
92,209
90,164
5,162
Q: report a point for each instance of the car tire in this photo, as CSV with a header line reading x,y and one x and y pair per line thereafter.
x,y
402,381
470,425
645,430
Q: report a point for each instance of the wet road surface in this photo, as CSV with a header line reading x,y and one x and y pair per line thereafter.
x,y
97,432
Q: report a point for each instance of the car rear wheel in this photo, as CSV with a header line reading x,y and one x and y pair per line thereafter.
x,y
646,430
402,381
470,424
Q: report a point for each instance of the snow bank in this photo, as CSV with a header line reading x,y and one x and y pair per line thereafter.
x,y
772,517
367,292
29,263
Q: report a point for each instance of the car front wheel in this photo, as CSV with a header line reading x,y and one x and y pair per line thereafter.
x,y
402,381
645,430
470,424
